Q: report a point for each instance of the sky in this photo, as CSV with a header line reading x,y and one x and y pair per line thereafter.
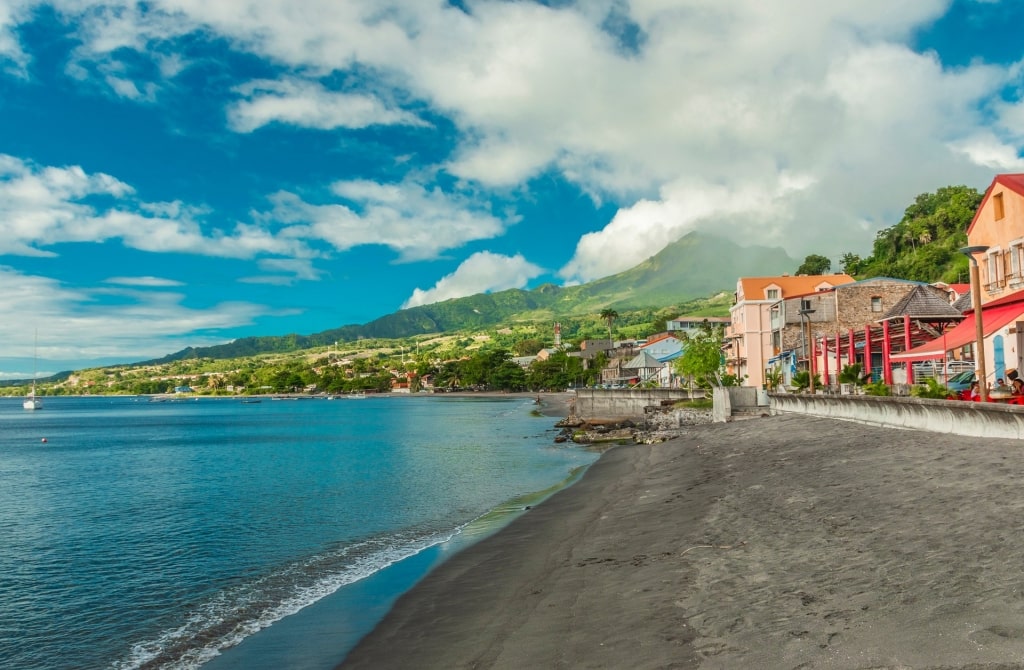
x,y
182,173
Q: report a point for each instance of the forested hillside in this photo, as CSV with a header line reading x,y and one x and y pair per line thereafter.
x,y
924,245
695,267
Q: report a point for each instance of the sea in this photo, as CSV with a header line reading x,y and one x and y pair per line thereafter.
x,y
220,534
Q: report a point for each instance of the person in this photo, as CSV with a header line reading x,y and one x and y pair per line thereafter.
x,y
1018,387
973,393
1000,386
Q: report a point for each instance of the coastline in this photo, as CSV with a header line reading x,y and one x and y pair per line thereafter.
x,y
775,543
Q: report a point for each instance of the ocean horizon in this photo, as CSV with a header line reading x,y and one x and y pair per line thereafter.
x,y
220,534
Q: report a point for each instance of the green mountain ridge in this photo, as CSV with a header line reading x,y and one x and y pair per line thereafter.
x,y
695,266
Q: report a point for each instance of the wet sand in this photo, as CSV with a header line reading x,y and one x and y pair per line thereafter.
x,y
785,542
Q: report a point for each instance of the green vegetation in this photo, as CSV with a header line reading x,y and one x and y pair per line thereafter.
x,y
931,388
924,245
802,380
814,265
702,357
690,269
879,388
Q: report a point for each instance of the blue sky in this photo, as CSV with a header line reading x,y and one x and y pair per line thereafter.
x,y
186,172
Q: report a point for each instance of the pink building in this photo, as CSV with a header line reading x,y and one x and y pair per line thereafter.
x,y
749,334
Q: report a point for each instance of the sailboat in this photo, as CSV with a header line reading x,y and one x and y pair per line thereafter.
x,y
31,401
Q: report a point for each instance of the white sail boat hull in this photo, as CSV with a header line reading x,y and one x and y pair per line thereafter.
x,y
31,401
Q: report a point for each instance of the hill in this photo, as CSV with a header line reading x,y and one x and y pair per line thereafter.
x,y
695,266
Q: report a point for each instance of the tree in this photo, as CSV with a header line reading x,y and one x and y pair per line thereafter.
x,y
702,356
851,263
609,315
814,265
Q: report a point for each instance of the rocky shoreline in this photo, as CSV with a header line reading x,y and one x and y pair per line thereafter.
x,y
657,425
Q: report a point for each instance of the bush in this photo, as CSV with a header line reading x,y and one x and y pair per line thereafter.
x,y
930,389
877,388
802,380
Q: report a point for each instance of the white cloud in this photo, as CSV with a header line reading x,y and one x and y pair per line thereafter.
x,y
285,271
483,272
43,206
309,104
155,282
416,221
640,231
76,323
711,106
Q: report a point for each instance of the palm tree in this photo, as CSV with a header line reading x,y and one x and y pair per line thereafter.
x,y
609,315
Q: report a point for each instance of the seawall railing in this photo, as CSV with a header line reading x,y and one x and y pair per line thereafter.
x,y
973,419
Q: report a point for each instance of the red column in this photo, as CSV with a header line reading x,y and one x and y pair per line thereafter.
x,y
851,351
886,352
867,353
839,355
813,363
824,372
907,347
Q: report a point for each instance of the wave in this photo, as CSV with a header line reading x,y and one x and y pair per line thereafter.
x,y
235,613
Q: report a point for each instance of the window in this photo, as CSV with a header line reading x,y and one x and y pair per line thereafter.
x,y
773,294
876,303
805,304
997,206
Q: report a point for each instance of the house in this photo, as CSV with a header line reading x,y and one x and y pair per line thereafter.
x,y
692,324
663,347
748,337
996,234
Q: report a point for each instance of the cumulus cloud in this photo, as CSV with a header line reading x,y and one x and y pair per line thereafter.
x,y
139,324
154,282
310,105
483,272
687,113
415,220
284,271
625,98
41,206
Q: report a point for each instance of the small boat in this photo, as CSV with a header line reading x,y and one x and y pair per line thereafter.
x,y
250,401
356,396
31,400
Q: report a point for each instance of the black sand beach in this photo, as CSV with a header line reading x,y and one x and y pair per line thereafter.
x,y
786,542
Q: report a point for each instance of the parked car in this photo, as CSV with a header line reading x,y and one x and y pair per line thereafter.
x,y
962,381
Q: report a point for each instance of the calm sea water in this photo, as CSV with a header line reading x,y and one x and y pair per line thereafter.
x,y
145,534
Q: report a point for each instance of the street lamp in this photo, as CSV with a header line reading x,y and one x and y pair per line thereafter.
x,y
805,314
976,303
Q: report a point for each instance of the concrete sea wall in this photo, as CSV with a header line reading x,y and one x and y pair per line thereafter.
x,y
625,403
972,419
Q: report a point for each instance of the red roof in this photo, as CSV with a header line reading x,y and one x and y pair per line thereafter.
x,y
1014,182
993,318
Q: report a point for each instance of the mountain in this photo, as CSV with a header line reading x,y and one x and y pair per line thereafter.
x,y
694,266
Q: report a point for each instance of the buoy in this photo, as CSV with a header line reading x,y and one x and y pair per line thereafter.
x,y
44,439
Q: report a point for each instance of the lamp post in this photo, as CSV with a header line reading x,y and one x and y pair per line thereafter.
x,y
976,303
805,314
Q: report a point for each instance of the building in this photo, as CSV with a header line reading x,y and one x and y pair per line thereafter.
x,y
692,324
997,232
748,337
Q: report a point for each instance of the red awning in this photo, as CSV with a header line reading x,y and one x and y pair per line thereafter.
x,y
993,319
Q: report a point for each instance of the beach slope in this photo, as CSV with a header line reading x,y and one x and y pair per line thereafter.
x,y
784,542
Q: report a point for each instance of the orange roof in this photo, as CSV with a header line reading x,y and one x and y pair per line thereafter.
x,y
754,287
1014,182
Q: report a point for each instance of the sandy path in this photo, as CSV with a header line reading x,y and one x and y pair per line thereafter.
x,y
787,542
